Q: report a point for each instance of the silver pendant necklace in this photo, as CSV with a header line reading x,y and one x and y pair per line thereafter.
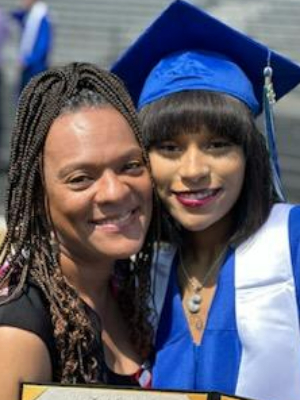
x,y
193,303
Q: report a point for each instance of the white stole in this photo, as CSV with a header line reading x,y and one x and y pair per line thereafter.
x,y
31,28
267,313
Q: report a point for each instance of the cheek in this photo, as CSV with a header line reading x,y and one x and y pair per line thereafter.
x,y
237,176
162,171
155,163
66,207
241,167
234,167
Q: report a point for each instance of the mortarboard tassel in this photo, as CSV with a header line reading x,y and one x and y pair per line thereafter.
x,y
269,101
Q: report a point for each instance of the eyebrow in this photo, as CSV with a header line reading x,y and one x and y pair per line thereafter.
x,y
131,152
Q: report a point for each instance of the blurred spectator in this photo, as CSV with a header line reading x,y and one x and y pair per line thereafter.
x,y
4,29
36,39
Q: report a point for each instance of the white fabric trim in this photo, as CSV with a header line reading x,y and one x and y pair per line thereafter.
x,y
267,314
31,28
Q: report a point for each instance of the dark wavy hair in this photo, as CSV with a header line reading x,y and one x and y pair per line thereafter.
x,y
27,248
187,112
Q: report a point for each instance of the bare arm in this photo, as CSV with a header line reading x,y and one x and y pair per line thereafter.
x,y
24,357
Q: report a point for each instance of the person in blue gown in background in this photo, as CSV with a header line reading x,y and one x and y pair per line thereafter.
x,y
36,39
227,287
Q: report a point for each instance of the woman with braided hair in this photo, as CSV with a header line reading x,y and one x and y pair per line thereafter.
x,y
74,309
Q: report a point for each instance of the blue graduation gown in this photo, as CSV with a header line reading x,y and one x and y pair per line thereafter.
x,y
214,364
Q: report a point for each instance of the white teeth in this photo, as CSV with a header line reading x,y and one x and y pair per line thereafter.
x,y
198,195
116,221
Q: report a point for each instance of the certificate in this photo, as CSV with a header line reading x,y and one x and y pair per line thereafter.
x,y
84,392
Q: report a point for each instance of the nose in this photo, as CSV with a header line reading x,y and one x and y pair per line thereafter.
x,y
111,188
194,164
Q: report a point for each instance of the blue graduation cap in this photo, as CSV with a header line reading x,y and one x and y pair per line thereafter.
x,y
186,49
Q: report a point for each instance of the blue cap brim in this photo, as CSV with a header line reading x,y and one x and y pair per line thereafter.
x,y
183,26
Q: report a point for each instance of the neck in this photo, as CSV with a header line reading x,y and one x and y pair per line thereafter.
x,y
90,279
201,248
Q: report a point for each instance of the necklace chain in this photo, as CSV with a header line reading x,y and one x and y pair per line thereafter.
x,y
199,286
193,304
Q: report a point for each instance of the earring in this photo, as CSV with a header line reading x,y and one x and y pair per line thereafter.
x,y
54,244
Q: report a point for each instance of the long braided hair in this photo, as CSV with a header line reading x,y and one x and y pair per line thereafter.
x,y
27,250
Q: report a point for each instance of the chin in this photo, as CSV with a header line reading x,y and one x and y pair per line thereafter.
x,y
194,226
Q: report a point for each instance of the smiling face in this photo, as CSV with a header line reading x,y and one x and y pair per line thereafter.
x,y
97,186
199,177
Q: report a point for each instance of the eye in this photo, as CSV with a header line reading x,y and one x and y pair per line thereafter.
x,y
134,166
219,144
79,181
167,148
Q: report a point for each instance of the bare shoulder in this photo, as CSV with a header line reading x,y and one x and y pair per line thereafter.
x,y
24,357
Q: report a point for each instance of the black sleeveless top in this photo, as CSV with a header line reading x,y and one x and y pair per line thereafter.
x,y
30,312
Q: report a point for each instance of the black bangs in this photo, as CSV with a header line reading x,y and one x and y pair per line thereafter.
x,y
188,111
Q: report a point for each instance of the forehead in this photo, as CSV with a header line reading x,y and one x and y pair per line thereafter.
x,y
88,134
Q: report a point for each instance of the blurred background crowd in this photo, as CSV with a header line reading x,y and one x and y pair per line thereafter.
x,y
98,30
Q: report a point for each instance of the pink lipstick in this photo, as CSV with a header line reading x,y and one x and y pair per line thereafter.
x,y
197,198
